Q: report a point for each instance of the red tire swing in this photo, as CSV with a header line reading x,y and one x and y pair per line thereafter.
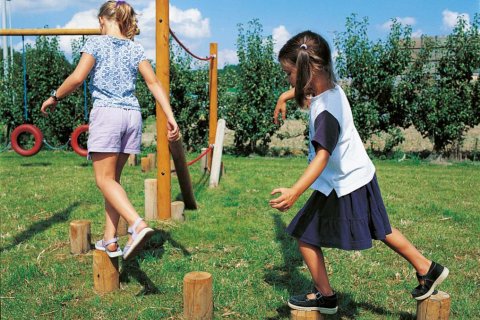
x,y
74,140
26,128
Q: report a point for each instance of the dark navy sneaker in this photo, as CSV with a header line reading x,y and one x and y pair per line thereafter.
x,y
326,305
435,275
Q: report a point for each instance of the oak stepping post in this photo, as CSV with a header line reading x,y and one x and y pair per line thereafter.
x,y
151,199
198,296
80,236
122,227
178,207
106,277
306,315
145,163
204,161
132,160
435,307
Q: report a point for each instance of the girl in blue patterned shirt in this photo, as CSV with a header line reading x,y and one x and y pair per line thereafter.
x,y
115,126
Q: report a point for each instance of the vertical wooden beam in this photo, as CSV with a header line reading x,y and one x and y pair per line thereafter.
x,y
163,74
213,114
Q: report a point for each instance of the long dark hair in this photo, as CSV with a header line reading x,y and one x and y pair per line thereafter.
x,y
310,53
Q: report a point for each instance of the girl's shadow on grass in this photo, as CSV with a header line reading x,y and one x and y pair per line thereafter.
x,y
154,248
288,277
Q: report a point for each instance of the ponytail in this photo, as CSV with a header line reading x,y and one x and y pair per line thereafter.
x,y
123,14
304,77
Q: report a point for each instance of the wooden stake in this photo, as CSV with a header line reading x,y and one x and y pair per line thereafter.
x,y
80,236
122,227
153,160
106,277
145,163
178,207
435,307
151,199
306,315
204,162
178,155
217,154
197,295
132,160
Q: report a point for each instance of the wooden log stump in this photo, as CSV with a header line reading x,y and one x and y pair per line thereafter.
x,y
151,199
145,163
172,167
132,160
204,162
106,277
153,160
80,236
178,156
198,296
435,307
122,227
306,315
178,207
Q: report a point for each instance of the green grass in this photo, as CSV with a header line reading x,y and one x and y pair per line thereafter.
x,y
235,236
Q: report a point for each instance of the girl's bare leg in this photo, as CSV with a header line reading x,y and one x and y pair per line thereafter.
x,y
313,257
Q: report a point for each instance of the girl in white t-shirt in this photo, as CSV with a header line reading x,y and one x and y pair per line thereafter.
x,y
346,209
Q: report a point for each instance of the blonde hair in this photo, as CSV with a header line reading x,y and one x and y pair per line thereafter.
x,y
123,14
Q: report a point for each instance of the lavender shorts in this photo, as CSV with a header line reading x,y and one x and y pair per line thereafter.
x,y
115,130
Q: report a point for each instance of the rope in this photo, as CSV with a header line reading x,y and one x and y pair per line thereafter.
x,y
186,49
56,148
198,158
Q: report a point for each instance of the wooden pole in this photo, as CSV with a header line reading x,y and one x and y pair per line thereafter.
x,y
152,157
435,307
306,315
217,154
151,199
204,162
178,207
132,160
80,236
213,79
176,148
197,296
106,277
163,74
145,163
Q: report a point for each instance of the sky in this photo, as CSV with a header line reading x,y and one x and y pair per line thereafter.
x,y
198,23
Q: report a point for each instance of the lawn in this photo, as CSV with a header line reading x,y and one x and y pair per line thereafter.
x,y
235,236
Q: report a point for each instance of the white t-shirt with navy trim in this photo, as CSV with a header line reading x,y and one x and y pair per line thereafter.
x,y
331,127
113,77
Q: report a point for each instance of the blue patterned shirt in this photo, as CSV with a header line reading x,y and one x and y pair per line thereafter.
x,y
113,77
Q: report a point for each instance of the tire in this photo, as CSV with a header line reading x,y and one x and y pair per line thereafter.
x,y
37,135
74,140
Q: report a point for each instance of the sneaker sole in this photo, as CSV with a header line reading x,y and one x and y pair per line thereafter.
x,y
321,310
437,282
137,245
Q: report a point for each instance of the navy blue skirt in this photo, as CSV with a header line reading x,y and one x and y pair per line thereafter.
x,y
349,222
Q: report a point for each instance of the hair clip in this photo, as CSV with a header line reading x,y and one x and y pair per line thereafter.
x,y
119,2
304,46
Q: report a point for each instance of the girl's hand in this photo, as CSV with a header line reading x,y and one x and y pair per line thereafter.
x,y
285,201
48,105
173,132
280,108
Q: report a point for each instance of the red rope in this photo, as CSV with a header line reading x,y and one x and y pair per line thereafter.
x,y
186,49
199,157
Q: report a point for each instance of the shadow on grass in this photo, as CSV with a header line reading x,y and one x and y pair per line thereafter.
x,y
36,164
153,248
42,225
198,188
288,277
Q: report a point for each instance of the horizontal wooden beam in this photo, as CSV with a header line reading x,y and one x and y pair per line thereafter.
x,y
49,32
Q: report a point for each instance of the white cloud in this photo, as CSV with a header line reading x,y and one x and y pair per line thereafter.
x,y
81,20
280,36
227,57
450,18
417,33
189,23
403,21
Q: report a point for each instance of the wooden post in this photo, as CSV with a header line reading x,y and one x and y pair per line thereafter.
x,y
306,315
172,168
435,307
132,160
217,154
197,295
213,114
151,199
80,236
178,207
122,227
204,162
152,157
176,148
106,277
163,74
145,164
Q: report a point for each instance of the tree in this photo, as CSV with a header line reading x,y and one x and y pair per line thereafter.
x,y
259,83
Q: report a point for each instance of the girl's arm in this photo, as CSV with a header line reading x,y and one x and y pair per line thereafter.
x,y
290,195
158,92
85,65
281,107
